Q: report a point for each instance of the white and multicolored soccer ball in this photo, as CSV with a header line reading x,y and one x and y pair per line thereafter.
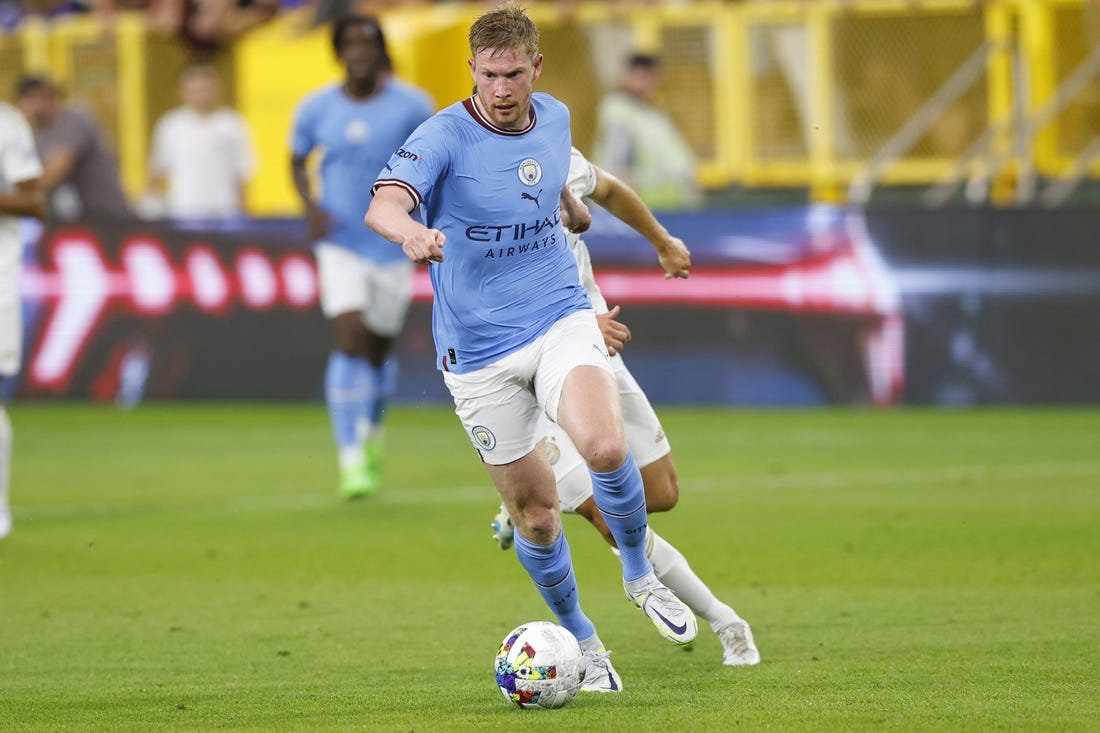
x,y
539,665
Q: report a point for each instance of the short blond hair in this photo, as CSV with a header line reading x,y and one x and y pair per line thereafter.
x,y
503,28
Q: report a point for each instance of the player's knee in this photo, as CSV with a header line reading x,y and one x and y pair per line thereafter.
x,y
605,453
377,348
349,335
538,524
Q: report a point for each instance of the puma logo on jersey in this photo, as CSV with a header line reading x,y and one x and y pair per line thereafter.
x,y
528,197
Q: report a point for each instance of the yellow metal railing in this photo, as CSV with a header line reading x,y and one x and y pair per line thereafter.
x,y
770,93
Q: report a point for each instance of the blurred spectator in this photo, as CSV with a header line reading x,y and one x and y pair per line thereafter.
x,y
14,12
207,25
80,171
329,11
202,152
639,143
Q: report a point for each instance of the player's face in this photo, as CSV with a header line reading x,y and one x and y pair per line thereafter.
x,y
39,106
505,80
200,91
361,52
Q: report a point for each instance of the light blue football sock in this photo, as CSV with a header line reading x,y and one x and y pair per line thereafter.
x,y
551,567
620,497
381,384
345,394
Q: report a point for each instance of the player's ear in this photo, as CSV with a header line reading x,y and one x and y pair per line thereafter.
x,y
473,72
537,63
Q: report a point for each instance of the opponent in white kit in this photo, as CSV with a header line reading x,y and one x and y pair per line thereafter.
x,y
644,434
21,195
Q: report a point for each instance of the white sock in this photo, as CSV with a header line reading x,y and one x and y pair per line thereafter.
x,y
364,430
5,468
350,456
591,644
673,570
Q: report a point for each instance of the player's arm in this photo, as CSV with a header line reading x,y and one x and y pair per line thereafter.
x,y
27,198
390,216
317,219
56,166
575,216
622,201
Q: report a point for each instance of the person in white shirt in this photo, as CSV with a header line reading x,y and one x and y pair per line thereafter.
x,y
202,153
21,195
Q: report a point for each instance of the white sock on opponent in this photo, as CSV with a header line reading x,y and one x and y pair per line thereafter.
x,y
673,570
5,472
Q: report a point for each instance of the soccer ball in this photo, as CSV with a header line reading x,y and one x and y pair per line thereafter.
x,y
539,665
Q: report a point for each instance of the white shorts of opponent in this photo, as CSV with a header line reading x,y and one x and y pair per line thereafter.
x,y
349,283
502,406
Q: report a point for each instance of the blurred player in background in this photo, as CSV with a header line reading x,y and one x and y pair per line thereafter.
x,y
644,434
21,195
516,337
366,282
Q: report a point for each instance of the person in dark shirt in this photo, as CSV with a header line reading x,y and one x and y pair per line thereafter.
x,y
80,171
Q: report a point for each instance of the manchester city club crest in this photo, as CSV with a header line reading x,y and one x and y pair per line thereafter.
x,y
530,172
356,131
484,437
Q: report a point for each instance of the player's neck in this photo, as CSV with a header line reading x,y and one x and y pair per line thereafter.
x,y
362,88
522,121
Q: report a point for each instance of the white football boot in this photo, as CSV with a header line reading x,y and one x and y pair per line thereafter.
x,y
504,532
672,617
738,648
599,675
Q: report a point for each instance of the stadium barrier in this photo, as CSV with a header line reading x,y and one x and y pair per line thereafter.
x,y
785,306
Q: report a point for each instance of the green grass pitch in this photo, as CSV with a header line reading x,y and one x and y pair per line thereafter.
x,y
191,568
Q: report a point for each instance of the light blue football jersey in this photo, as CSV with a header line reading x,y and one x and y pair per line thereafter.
x,y
356,138
507,273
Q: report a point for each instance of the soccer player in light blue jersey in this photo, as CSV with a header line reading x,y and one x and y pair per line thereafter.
x,y
366,283
515,333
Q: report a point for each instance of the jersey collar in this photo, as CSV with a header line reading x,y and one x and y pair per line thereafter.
x,y
484,121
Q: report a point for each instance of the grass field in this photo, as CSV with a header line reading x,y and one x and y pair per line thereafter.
x,y
190,568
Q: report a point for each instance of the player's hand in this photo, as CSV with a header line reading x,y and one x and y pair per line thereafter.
x,y
575,216
675,259
425,247
319,222
615,334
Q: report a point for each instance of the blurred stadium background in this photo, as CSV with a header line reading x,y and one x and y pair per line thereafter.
x,y
902,208
901,202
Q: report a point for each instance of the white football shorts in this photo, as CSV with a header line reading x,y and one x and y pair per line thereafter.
x,y
379,292
502,405
11,319
644,435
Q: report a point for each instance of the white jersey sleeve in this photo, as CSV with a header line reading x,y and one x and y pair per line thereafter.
x,y
582,175
582,183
